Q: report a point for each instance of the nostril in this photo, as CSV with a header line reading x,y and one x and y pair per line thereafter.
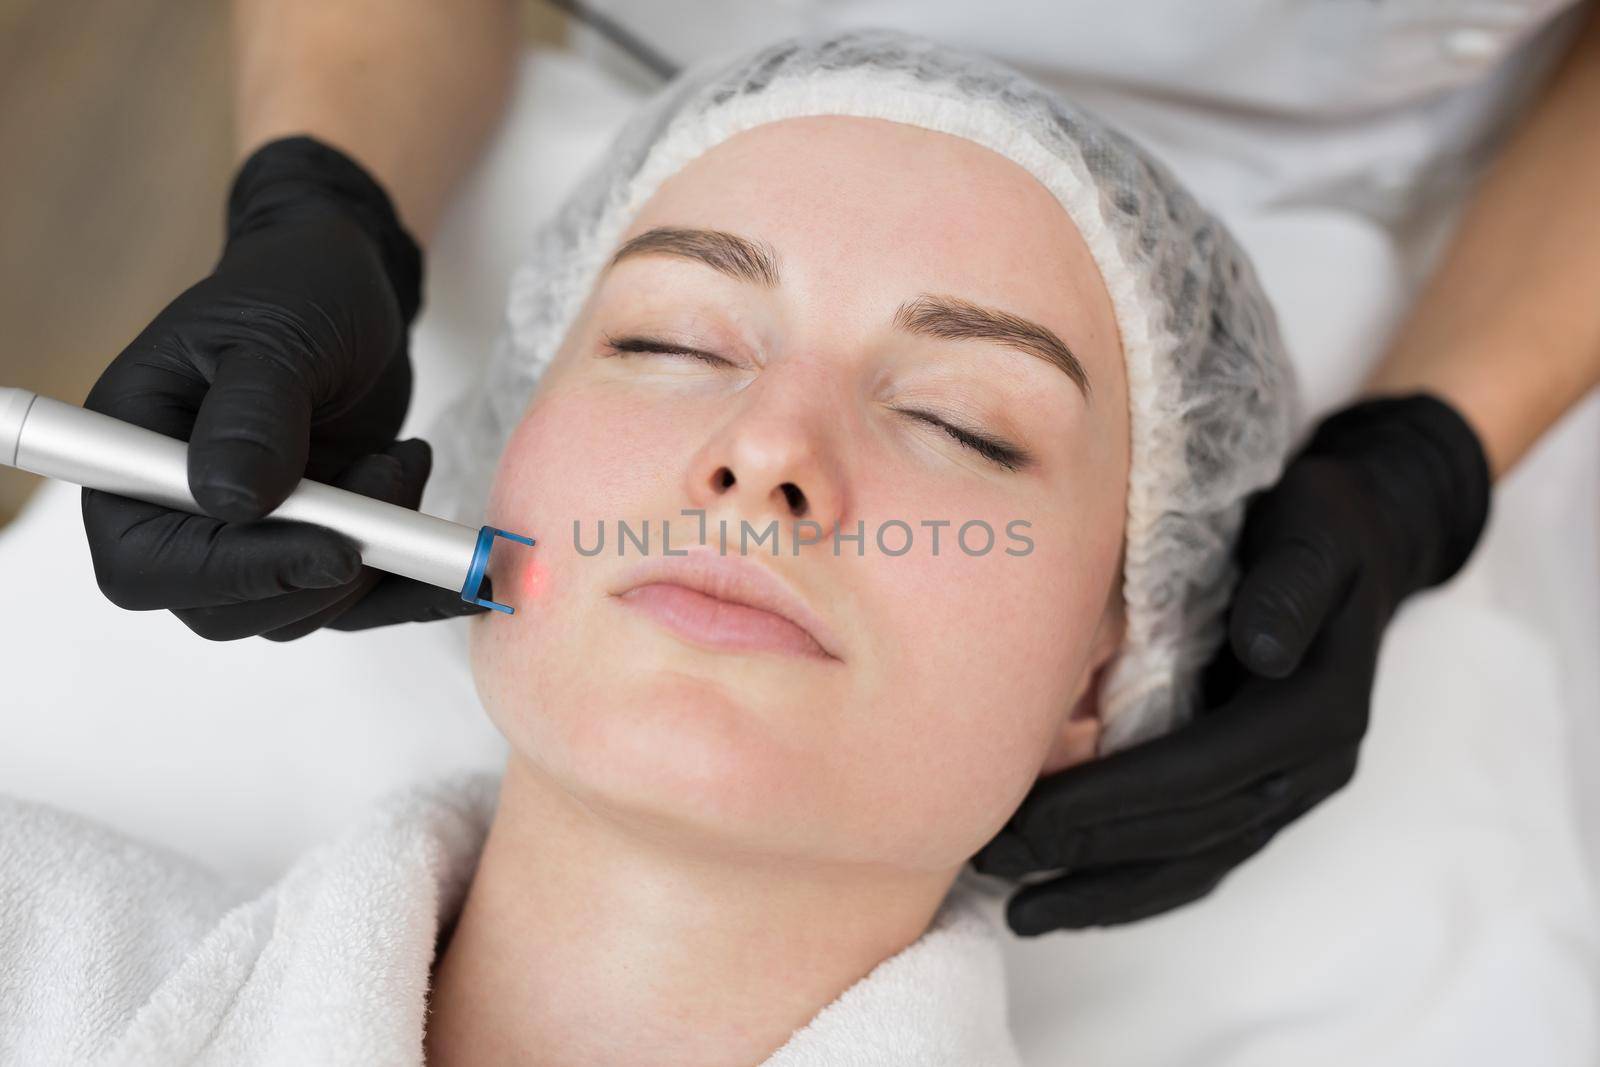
x,y
796,499
723,478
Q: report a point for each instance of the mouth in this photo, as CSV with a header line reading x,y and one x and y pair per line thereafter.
x,y
726,603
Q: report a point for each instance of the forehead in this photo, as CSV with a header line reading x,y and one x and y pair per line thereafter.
x,y
862,212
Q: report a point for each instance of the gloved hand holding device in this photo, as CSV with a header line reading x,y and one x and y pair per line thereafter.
x,y
290,360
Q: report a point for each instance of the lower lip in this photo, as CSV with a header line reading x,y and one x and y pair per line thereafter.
x,y
720,624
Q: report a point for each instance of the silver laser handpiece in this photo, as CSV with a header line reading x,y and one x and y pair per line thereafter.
x,y
45,436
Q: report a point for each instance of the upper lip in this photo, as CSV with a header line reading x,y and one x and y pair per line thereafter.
x,y
733,579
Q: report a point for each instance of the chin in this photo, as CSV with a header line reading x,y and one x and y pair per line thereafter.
x,y
678,743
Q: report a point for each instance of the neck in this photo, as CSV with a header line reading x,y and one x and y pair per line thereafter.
x,y
584,942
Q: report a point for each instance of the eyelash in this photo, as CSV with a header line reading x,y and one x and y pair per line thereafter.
x,y
999,452
993,449
626,346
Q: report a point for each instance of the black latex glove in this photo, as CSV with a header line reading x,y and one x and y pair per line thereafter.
x,y
1388,497
290,360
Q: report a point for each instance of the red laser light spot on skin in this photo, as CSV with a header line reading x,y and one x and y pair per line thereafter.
x,y
535,579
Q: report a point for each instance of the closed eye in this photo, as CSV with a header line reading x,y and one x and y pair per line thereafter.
x,y
993,449
625,346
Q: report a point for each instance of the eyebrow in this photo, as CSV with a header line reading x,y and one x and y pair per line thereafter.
x,y
929,314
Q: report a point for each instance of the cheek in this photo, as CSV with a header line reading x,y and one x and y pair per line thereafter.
x,y
983,655
579,457
572,460
585,453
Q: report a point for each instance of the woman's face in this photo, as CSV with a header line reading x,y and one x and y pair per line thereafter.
x,y
865,283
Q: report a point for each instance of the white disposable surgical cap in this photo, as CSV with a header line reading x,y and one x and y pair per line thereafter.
x,y
1211,395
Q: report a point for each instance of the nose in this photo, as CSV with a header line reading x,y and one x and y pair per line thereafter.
x,y
774,460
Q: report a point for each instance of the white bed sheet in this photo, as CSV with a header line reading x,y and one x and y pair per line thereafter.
x,y
1442,909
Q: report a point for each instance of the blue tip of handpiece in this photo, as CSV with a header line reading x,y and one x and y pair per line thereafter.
x,y
480,564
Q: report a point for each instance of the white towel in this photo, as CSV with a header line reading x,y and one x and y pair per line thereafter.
x,y
114,952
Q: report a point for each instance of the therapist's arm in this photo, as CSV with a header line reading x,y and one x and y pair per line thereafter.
x,y
410,89
1508,328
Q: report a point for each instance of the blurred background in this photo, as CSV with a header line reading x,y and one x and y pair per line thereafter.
x,y
115,121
